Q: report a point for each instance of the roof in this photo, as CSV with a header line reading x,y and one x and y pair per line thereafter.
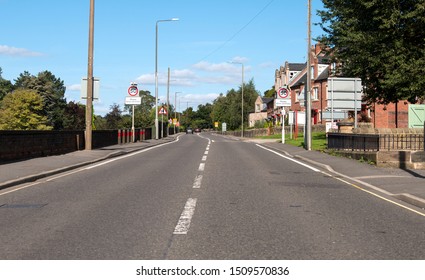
x,y
296,66
324,75
267,100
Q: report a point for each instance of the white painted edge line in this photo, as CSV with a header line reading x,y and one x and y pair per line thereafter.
x,y
87,168
201,167
197,182
351,184
185,219
288,158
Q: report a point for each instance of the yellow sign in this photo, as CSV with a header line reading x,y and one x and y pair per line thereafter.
x,y
174,121
216,124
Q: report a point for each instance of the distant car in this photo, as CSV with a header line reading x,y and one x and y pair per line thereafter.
x,y
189,131
197,130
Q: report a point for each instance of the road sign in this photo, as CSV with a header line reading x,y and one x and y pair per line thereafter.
x,y
283,93
283,98
133,90
162,111
133,100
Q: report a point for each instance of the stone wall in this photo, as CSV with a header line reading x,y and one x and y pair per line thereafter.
x,y
18,144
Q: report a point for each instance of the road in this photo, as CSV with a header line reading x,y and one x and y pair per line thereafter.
x,y
203,197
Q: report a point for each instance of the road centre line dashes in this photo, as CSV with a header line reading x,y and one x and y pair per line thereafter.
x,y
183,224
197,182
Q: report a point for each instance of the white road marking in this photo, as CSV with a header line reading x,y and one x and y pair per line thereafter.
x,y
183,224
204,158
349,183
206,152
201,167
291,159
87,168
197,182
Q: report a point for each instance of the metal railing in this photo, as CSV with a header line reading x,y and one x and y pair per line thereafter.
x,y
375,142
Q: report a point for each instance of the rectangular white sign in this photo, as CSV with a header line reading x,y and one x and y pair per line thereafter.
x,y
133,100
96,88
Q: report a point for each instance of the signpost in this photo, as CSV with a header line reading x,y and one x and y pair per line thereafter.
x,y
283,99
162,112
132,100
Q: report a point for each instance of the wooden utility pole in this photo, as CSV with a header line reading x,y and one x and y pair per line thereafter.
x,y
90,82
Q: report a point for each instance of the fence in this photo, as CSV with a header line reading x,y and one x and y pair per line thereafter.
x,y
375,142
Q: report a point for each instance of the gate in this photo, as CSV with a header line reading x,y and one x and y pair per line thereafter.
x,y
416,115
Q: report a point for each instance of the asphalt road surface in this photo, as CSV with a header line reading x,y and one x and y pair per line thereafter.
x,y
203,197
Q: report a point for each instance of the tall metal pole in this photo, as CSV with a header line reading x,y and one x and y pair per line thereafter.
x,y
156,81
89,102
156,74
242,97
168,96
307,134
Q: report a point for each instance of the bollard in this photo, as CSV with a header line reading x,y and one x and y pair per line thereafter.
x,y
119,136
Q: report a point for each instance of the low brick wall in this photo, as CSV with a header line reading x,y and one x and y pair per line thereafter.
x,y
23,144
16,145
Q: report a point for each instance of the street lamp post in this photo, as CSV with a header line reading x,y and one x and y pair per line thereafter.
x,y
156,73
234,62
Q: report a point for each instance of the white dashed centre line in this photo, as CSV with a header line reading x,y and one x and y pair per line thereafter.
x,y
183,224
201,167
197,182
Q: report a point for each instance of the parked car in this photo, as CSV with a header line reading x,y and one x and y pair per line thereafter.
x,y
189,131
197,130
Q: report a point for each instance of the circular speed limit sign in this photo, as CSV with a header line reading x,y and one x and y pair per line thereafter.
x,y
283,93
133,91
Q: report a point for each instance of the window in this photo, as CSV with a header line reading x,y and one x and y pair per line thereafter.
x,y
257,108
315,93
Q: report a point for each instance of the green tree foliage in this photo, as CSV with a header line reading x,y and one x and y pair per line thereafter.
x,y
382,42
52,90
22,110
227,108
6,86
270,93
114,118
74,116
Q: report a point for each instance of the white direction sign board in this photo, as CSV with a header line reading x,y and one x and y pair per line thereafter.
x,y
133,100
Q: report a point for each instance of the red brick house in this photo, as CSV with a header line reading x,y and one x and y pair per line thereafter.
x,y
293,76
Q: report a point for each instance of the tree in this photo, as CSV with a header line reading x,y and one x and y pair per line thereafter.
x,y
6,86
74,116
52,90
114,118
22,110
228,108
382,42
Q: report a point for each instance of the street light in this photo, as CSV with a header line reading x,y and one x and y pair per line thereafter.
x,y
156,73
235,62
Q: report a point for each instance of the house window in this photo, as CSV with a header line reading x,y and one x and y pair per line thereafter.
x,y
315,93
257,108
297,93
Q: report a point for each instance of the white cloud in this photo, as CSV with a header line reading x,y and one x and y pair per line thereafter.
x,y
214,67
74,87
12,51
239,59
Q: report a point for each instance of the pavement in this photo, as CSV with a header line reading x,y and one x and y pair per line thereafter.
x,y
404,184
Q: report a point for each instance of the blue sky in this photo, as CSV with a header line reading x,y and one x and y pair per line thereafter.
x,y
53,35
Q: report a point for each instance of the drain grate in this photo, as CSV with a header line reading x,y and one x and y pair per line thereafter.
x,y
23,206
